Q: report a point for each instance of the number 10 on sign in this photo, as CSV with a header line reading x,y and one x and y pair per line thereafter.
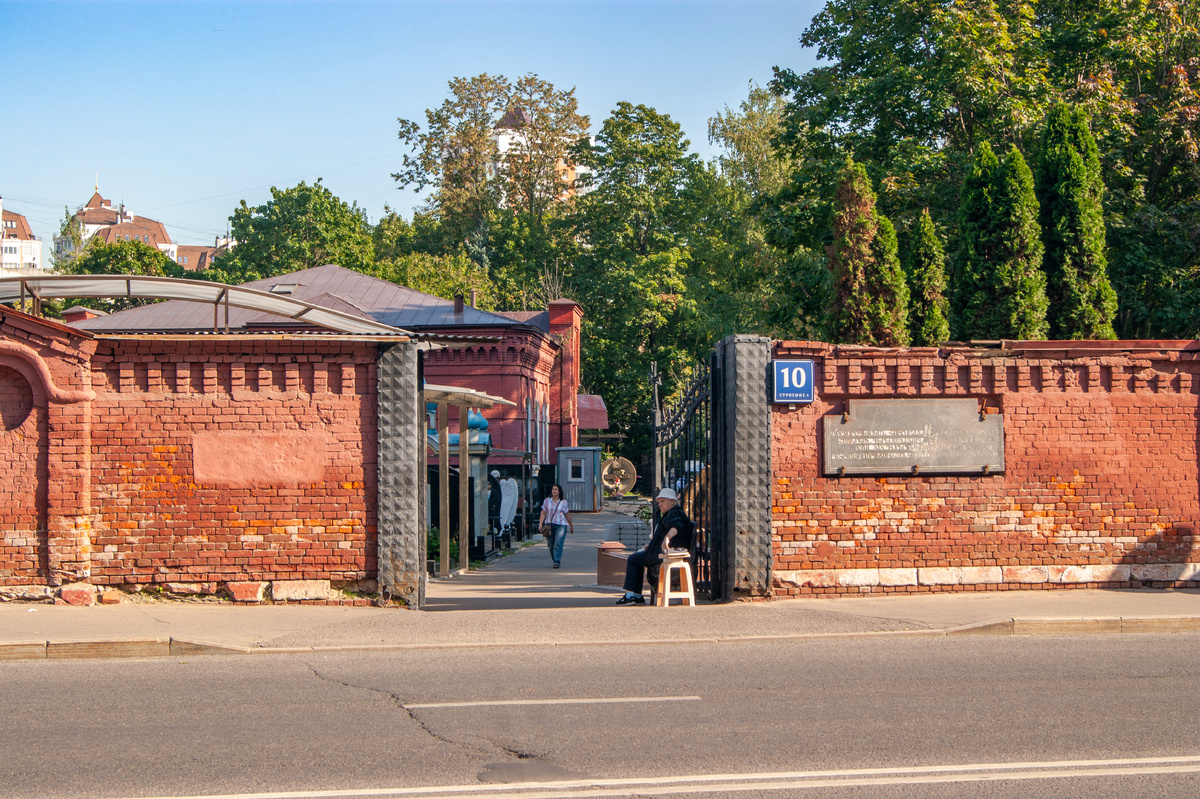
x,y
793,381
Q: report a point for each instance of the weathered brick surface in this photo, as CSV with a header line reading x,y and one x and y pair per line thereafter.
x,y
44,456
155,522
1102,485
23,464
78,594
97,463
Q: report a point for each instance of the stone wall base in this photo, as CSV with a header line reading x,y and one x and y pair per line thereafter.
x,y
280,592
985,578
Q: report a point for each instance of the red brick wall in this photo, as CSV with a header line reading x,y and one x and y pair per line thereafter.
x,y
44,511
23,449
154,521
1101,488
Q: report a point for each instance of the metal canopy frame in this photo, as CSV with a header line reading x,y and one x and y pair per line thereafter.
x,y
464,399
16,289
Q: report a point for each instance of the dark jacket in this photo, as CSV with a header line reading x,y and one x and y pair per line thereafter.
x,y
676,518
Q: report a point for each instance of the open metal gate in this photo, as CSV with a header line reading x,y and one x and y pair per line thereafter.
x,y
686,459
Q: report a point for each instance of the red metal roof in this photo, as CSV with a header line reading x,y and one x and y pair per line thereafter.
x,y
593,414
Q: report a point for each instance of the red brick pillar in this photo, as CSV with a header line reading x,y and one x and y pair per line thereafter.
x,y
566,321
58,370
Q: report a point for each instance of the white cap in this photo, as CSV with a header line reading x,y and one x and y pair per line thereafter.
x,y
668,493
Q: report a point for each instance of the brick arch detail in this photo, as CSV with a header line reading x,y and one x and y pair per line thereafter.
x,y
33,368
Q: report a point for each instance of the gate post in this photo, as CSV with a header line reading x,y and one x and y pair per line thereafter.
x,y
400,487
742,485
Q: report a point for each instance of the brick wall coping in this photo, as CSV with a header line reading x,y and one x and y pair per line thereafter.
x,y
998,349
315,335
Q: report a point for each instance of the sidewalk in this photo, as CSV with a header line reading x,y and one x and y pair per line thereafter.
x,y
520,600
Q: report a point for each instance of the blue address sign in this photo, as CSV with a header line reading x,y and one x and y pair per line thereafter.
x,y
793,381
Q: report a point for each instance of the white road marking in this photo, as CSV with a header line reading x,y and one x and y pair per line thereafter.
x,y
603,701
767,781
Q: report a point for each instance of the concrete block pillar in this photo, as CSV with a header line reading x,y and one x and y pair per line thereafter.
x,y
401,426
743,484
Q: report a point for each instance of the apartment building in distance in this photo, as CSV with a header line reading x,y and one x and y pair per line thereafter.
x,y
97,218
19,248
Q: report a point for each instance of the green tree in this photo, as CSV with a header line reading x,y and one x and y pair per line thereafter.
x,y
546,126
457,155
743,282
298,228
749,161
1070,191
122,258
632,271
870,300
440,275
974,281
71,229
1020,289
929,307
501,209
1002,289
911,88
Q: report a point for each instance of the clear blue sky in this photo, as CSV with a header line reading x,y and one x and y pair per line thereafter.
x,y
183,109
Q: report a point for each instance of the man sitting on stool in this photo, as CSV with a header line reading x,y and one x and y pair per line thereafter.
x,y
674,531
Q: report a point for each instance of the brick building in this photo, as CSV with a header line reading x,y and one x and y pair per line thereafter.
x,y
19,248
99,219
156,447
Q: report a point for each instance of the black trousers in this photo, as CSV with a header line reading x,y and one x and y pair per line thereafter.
x,y
640,565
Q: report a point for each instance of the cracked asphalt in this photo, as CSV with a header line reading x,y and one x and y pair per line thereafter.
x,y
225,725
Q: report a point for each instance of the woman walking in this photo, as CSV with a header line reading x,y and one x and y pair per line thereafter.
x,y
557,516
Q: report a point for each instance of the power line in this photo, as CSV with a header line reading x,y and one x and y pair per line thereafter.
x,y
310,175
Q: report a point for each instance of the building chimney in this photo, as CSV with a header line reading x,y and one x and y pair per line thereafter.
x,y
472,298
458,303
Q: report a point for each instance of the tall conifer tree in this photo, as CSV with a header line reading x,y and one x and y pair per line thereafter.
x,y
1071,190
870,296
1020,281
887,289
1002,289
973,282
928,306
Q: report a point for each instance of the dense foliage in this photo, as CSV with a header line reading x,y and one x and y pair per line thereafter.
x,y
912,89
939,109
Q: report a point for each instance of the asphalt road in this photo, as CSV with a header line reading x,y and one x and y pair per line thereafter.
x,y
973,716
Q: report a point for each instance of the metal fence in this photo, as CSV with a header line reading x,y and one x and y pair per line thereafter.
x,y
684,458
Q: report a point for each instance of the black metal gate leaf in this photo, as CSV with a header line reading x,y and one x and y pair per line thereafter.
x,y
684,458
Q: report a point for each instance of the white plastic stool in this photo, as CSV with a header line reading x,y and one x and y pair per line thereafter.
x,y
676,560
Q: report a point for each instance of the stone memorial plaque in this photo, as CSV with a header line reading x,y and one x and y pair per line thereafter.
x,y
914,436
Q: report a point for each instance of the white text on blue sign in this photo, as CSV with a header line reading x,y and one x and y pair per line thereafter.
x,y
793,381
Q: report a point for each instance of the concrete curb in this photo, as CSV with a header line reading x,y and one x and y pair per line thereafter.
x,y
178,647
113,648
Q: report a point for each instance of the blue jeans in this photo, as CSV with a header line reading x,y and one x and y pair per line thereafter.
x,y
558,535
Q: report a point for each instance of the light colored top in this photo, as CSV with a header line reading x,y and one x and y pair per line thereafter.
x,y
555,511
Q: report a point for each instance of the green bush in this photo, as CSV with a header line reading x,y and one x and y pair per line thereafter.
x,y
433,545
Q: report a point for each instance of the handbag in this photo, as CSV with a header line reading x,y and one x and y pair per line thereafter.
x,y
544,529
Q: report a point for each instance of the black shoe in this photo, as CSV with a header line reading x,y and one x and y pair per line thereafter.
x,y
556,565
631,600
